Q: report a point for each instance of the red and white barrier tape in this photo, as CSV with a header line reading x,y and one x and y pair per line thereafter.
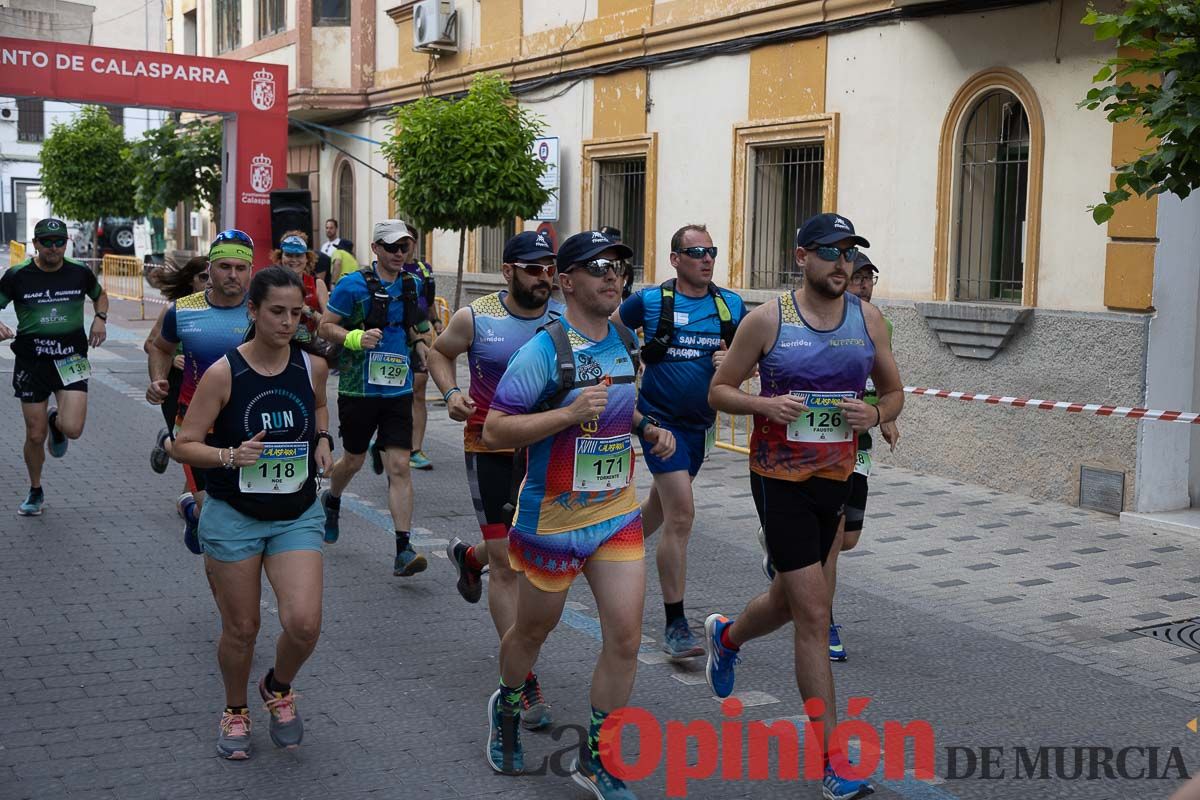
x,y
1095,409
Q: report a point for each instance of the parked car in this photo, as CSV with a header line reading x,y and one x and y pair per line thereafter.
x,y
114,235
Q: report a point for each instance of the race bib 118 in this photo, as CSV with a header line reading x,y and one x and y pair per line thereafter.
x,y
281,469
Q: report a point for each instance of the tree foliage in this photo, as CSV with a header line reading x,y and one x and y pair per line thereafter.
x,y
85,173
466,163
174,164
1159,88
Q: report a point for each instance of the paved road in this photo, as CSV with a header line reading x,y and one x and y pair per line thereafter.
x,y
1003,622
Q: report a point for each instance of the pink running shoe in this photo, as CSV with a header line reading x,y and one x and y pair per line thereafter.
x,y
287,729
233,742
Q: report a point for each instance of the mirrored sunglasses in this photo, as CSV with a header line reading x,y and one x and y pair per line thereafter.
x,y
535,270
598,267
698,252
827,252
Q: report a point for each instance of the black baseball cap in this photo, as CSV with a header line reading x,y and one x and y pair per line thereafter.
x,y
527,246
50,227
828,229
585,245
863,261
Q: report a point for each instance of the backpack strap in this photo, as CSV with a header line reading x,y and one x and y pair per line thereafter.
x,y
564,357
655,349
728,326
379,301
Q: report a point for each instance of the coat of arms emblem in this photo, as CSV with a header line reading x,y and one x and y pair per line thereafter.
x,y
262,173
262,90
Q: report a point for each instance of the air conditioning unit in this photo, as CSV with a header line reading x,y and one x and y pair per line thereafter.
x,y
8,110
435,26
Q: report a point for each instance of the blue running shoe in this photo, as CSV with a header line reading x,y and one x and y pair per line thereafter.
x,y
376,457
331,518
418,460
836,651
678,641
32,507
409,562
58,441
504,752
721,660
590,773
186,505
535,711
834,787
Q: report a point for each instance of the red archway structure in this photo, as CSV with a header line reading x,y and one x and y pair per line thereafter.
x,y
251,96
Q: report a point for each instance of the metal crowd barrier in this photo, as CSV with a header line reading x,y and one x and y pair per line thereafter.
x,y
733,432
16,253
122,278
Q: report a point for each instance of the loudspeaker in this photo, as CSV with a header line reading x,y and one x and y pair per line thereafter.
x,y
291,209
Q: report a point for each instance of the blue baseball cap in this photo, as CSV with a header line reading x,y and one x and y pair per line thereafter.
x,y
828,229
527,246
586,245
293,244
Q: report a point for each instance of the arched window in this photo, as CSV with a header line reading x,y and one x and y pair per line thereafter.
x,y
993,187
345,200
989,192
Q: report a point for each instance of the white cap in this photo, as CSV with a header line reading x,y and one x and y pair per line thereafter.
x,y
390,231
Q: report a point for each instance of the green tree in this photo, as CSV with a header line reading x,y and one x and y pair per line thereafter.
x,y
85,172
466,163
1163,95
175,164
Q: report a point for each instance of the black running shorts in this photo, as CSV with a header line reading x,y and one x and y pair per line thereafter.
x,y
34,380
490,476
799,518
856,506
360,417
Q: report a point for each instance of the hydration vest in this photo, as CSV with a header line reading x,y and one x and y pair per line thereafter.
x,y
655,349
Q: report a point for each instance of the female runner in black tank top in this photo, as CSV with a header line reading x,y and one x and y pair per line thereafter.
x,y
257,423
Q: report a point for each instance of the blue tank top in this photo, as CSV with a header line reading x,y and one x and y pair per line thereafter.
x,y
820,368
282,485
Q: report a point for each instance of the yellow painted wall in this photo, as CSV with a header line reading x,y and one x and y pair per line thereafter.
x,y
1129,276
788,80
619,104
500,20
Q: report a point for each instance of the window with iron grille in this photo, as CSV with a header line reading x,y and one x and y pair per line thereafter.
x,y
271,17
787,184
491,245
621,204
993,188
31,119
228,15
331,12
117,115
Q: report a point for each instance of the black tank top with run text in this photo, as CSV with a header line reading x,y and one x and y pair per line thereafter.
x,y
282,484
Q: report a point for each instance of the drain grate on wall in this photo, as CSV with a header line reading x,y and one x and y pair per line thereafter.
x,y
1185,633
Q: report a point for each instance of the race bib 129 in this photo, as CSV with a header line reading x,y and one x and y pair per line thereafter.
x,y
387,369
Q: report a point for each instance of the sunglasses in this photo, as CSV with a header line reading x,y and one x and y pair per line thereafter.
x,y
599,267
535,270
234,235
827,252
200,276
398,246
52,242
698,252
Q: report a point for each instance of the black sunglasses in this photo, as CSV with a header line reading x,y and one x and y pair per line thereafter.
x,y
599,267
52,242
398,246
698,252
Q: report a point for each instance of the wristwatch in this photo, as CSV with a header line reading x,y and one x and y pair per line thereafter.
x,y
102,315
324,435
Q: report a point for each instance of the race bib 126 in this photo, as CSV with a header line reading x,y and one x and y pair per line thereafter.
x,y
822,421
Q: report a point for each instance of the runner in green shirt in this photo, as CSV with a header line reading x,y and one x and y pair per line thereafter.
x,y
50,347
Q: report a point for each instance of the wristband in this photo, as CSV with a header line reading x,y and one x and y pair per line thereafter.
x,y
878,417
446,396
101,315
640,428
354,340
326,436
